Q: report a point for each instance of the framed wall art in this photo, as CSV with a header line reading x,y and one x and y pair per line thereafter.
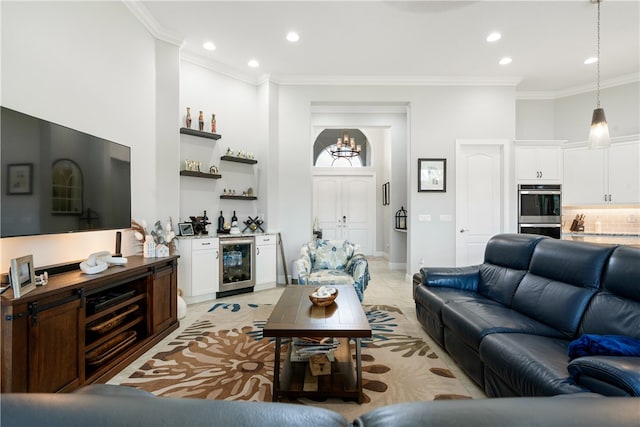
x,y
20,179
432,175
385,194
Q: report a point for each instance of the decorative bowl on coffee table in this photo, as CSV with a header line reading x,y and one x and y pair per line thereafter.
x,y
323,301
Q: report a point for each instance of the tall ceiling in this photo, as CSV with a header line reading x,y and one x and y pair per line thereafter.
x,y
403,42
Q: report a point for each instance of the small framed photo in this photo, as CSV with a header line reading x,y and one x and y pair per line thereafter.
x,y
186,229
20,179
432,175
22,275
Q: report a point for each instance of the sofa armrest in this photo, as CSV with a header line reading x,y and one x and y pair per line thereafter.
x,y
358,268
465,278
302,266
607,375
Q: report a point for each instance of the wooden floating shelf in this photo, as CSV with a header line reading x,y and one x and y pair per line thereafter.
x,y
200,133
238,197
201,174
239,160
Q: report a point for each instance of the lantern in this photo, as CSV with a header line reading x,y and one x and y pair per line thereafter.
x,y
401,219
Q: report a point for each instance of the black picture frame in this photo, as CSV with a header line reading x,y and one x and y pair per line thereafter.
x,y
432,175
186,229
20,179
385,194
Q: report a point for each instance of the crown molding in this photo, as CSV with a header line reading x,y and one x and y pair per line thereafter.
x,y
151,24
578,90
220,68
310,80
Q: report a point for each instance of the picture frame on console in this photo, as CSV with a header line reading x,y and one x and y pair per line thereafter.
x,y
186,229
20,179
22,275
432,175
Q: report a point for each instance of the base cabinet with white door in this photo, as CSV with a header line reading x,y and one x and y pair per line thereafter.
x,y
265,261
198,275
602,176
538,162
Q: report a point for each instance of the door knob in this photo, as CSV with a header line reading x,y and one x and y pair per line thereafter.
x,y
462,230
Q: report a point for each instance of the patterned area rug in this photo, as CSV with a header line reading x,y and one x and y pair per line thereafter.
x,y
223,355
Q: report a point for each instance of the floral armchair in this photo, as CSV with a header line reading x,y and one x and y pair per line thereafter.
x,y
332,262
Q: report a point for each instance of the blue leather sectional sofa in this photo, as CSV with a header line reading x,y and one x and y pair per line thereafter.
x,y
103,405
509,321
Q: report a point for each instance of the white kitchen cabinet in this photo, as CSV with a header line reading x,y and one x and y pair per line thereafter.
x,y
538,162
265,261
198,275
602,176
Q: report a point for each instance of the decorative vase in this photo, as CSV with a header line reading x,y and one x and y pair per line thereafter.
x,y
188,117
201,121
213,123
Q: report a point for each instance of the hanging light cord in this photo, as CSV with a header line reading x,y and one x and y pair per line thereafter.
x,y
598,62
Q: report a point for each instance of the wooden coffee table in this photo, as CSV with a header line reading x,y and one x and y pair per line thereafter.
x,y
295,316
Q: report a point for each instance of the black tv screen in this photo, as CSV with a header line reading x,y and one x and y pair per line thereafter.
x,y
59,180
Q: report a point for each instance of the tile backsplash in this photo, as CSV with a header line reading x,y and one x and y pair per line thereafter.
x,y
612,220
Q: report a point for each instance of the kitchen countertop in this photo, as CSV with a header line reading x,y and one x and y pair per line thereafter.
x,y
211,235
609,238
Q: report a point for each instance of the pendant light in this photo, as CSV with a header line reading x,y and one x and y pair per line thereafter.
x,y
599,132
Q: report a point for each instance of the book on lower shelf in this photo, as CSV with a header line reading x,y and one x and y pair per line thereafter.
x,y
304,347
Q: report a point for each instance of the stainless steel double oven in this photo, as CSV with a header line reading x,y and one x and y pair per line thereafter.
x,y
540,209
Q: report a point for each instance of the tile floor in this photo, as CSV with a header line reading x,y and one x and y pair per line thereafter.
x,y
385,287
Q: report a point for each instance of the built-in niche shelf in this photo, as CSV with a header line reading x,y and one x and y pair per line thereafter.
x,y
200,133
239,160
197,174
401,230
227,197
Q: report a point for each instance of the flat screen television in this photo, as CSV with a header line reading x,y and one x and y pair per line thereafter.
x,y
60,180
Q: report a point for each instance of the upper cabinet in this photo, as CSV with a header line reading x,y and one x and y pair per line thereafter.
x,y
538,162
602,176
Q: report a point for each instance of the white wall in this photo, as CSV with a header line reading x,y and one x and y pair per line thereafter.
x,y
535,119
621,105
438,115
568,118
235,105
69,63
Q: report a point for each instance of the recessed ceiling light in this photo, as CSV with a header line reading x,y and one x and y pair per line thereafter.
x,y
292,36
493,37
591,60
209,46
505,61
253,63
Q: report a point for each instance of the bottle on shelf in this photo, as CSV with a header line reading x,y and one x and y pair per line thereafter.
x,y
188,117
213,123
234,218
201,121
220,222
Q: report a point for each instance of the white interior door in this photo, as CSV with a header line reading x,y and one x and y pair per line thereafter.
x,y
479,200
345,208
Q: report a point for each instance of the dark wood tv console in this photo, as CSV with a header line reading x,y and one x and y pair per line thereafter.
x,y
81,329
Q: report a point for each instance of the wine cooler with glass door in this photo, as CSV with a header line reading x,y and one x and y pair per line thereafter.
x,y
237,266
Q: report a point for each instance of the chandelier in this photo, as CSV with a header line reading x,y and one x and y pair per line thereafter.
x,y
345,147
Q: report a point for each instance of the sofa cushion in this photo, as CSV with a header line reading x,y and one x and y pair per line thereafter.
x,y
433,299
474,319
511,250
332,254
499,283
531,365
577,263
616,309
330,277
557,304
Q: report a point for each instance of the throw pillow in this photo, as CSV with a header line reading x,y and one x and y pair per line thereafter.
x,y
604,345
